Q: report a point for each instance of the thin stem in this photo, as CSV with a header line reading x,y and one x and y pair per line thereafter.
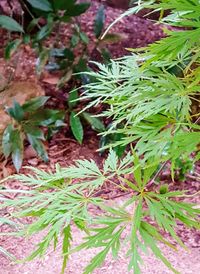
x,y
120,186
191,195
28,10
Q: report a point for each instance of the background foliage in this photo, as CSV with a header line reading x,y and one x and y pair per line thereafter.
x,y
42,26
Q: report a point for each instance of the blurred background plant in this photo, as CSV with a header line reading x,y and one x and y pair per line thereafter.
x,y
27,121
39,24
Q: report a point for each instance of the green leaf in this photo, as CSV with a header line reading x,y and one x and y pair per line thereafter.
x,y
6,142
74,40
10,24
44,32
46,117
63,4
111,163
69,54
32,24
151,242
136,221
16,112
43,5
11,48
137,171
72,99
95,123
99,21
77,9
96,261
17,147
76,126
35,103
26,39
34,131
38,146
106,54
84,37
66,245
148,171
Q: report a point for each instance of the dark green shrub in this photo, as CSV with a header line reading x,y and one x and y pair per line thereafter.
x,y
48,18
27,121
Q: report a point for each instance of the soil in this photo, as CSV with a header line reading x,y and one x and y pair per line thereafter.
x,y
184,262
63,149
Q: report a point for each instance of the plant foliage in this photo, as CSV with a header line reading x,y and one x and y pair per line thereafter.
x,y
58,201
76,121
46,19
150,96
152,92
27,121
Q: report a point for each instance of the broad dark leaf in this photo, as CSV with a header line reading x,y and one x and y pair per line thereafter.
x,y
10,24
17,148
35,103
77,9
74,40
73,95
76,127
38,146
106,54
80,67
34,131
84,37
69,54
63,4
11,48
44,32
110,139
43,5
16,112
99,21
65,19
6,142
95,123
46,117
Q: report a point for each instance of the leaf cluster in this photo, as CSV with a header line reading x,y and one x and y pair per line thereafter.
x,y
150,93
47,20
65,197
76,121
27,120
